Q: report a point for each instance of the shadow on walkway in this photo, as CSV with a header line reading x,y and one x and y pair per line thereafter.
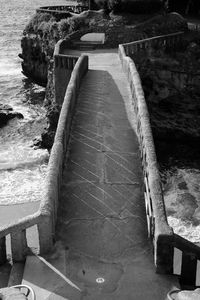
x,y
101,217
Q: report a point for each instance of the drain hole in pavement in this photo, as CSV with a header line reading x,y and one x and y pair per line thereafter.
x,y
100,280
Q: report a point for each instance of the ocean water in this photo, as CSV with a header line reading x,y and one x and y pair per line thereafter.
x,y
22,168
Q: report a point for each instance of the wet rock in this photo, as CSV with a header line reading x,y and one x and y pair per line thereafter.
x,y
37,142
47,139
35,59
7,113
5,107
181,194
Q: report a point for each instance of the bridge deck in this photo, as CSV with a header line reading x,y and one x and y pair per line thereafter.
x,y
101,218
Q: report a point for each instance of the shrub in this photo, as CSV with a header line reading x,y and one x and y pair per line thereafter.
x,y
63,27
75,23
43,27
37,20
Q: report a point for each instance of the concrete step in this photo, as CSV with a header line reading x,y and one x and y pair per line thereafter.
x,y
46,276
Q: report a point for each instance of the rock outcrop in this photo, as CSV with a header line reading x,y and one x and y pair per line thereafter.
x,y
171,86
7,113
35,60
44,30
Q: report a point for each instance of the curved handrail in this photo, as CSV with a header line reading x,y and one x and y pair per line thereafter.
x,y
164,239
30,291
158,228
170,293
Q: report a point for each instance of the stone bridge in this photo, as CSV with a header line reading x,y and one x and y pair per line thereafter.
x,y
104,206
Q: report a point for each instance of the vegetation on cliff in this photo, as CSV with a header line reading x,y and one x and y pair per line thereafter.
x,y
44,30
170,81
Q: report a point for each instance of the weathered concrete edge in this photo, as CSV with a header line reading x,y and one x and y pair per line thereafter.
x,y
60,45
163,235
54,174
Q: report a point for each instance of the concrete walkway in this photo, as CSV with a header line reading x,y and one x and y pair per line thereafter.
x,y
101,217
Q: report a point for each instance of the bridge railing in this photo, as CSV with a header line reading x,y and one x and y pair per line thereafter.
x,y
43,221
158,228
63,66
62,9
169,41
172,253
186,262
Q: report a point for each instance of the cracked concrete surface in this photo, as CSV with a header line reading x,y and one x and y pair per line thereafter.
x,y
101,215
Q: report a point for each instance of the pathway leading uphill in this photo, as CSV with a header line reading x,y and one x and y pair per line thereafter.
x,y
101,218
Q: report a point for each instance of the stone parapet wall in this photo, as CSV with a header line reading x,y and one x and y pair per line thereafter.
x,y
58,152
158,228
171,41
172,253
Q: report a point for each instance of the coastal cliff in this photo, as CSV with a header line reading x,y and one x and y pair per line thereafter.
x,y
44,30
35,59
38,42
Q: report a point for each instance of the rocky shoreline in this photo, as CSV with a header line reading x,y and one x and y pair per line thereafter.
x,y
7,113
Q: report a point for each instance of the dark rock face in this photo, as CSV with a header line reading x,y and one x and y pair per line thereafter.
x,y
35,61
47,137
7,113
171,85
